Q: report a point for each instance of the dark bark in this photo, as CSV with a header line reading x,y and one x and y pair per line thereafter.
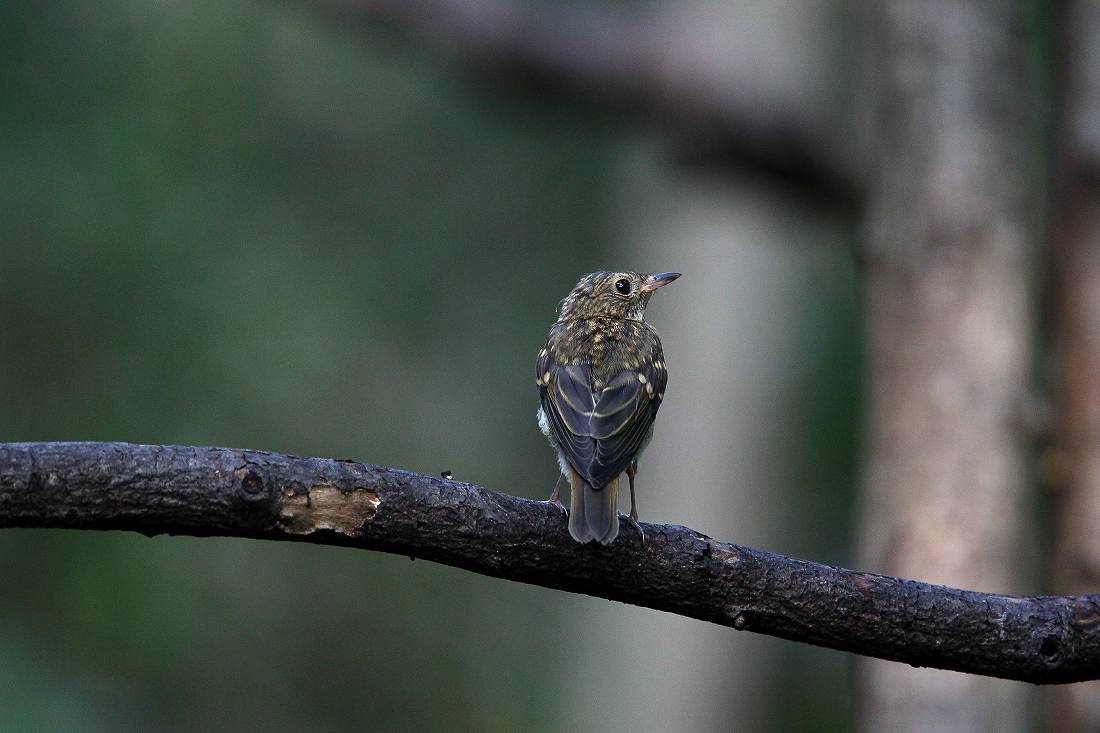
x,y
641,60
241,493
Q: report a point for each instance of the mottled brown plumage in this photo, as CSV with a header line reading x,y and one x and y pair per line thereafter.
x,y
601,378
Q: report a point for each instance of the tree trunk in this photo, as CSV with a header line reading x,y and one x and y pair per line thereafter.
x,y
950,248
1074,462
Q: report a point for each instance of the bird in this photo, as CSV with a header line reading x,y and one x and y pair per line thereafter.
x,y
601,377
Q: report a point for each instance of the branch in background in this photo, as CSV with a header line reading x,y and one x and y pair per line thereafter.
x,y
642,59
240,493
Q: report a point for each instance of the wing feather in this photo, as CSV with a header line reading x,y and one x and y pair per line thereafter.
x,y
572,386
600,431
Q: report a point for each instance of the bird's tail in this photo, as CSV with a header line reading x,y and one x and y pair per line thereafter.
x,y
593,513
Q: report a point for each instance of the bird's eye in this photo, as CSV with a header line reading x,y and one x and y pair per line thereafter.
x,y
623,286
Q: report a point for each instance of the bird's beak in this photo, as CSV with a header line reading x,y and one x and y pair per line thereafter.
x,y
653,282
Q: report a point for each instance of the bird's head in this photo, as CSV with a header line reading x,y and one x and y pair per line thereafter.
x,y
622,295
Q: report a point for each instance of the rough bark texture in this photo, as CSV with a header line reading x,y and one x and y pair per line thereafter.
x,y
219,491
950,245
646,58
1074,461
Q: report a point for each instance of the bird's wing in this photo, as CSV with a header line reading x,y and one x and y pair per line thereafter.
x,y
600,433
623,417
568,404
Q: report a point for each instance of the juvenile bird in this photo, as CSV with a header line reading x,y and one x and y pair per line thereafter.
x,y
601,377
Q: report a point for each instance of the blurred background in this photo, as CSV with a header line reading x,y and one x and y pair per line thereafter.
x,y
342,229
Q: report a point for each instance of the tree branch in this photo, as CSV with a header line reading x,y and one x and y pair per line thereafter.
x,y
242,493
644,59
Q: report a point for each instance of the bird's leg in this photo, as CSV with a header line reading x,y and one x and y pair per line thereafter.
x,y
633,516
555,498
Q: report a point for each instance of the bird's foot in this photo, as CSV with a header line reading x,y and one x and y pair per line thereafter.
x,y
555,498
632,519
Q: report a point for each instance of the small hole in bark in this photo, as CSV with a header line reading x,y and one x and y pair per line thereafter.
x,y
1051,648
252,483
252,486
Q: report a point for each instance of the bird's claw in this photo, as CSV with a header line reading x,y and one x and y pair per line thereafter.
x,y
633,521
555,498
554,501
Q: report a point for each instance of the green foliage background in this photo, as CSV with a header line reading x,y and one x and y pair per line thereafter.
x,y
244,223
